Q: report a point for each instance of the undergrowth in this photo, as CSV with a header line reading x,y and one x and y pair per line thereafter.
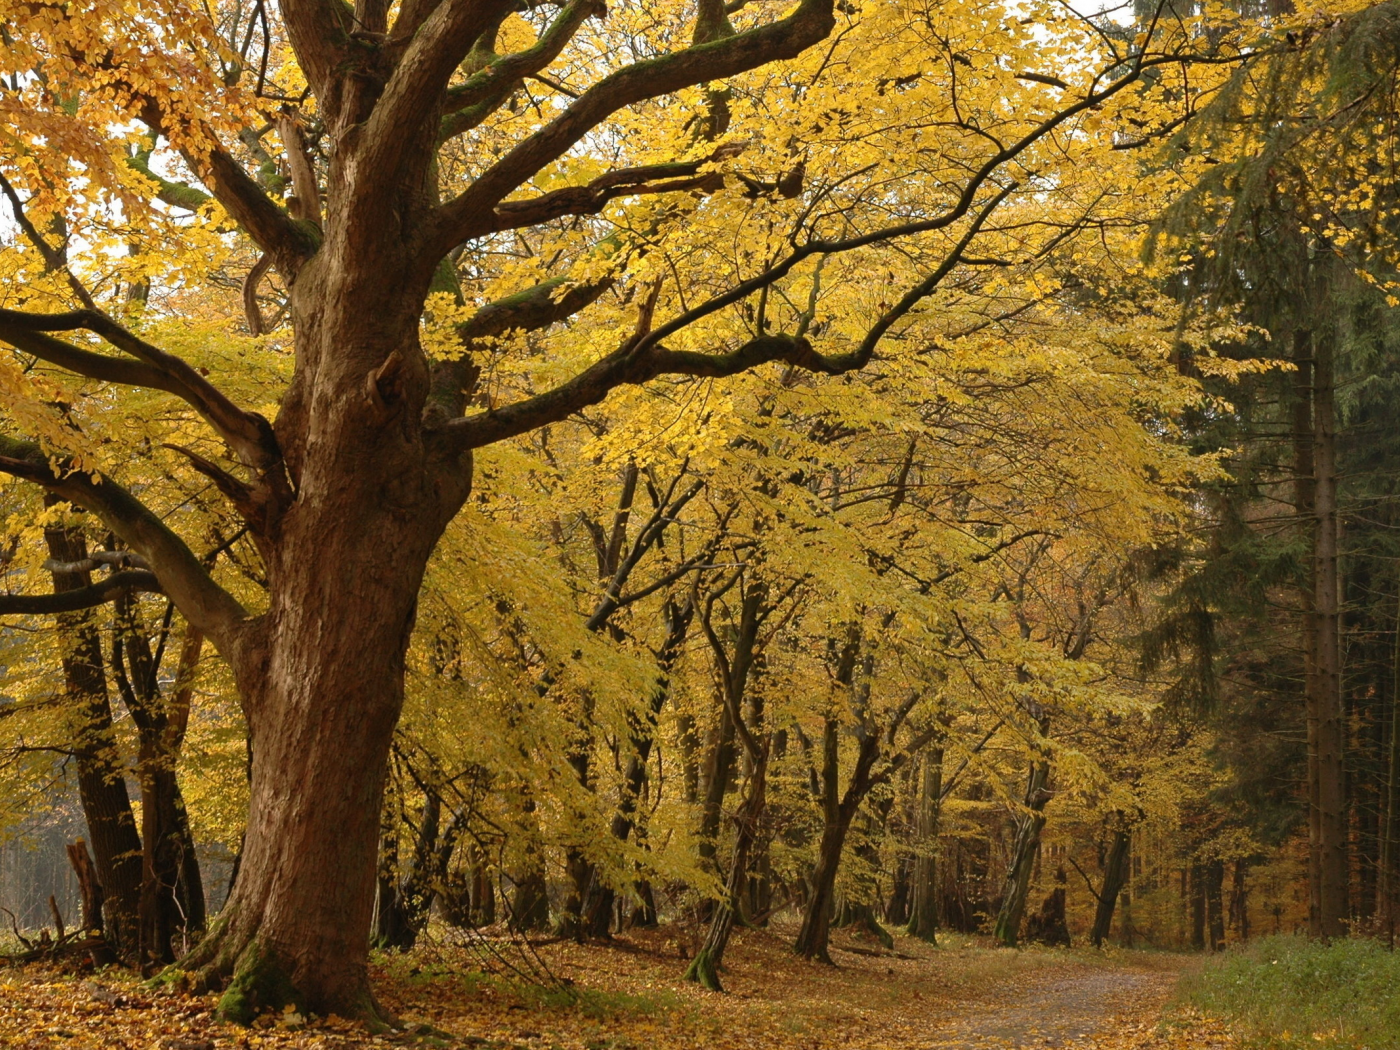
x,y
1283,992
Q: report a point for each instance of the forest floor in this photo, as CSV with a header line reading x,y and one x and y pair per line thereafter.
x,y
631,995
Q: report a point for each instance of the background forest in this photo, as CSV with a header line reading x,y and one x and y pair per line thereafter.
x,y
1023,562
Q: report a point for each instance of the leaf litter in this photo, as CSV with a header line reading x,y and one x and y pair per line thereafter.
x,y
630,995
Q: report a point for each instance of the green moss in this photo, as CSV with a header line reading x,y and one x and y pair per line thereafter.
x,y
259,984
702,971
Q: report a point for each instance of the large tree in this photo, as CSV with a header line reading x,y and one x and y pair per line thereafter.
x,y
401,165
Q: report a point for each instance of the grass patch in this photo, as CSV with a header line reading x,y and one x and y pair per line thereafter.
x,y
1289,992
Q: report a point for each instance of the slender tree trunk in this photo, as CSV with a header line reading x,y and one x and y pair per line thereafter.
x,y
813,938
1326,723
709,960
1016,886
1388,879
598,908
1115,874
1215,900
1239,900
116,845
923,907
1198,907
1304,485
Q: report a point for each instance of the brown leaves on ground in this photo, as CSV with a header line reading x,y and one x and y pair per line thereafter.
x,y
630,995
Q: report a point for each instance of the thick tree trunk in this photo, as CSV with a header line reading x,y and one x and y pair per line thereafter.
x,y
1325,716
1016,886
1115,874
323,686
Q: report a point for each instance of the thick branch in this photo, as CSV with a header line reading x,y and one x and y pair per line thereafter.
x,y
592,385
289,242
592,198
176,194
202,602
470,103
82,597
249,434
526,311
469,214
308,194
320,32
415,90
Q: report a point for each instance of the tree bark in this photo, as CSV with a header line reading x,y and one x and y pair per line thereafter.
x,y
1326,730
1198,906
1016,886
1115,874
116,844
1388,879
704,968
813,938
323,691
1215,901
923,907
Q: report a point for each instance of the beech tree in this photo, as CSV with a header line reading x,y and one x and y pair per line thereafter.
x,y
413,140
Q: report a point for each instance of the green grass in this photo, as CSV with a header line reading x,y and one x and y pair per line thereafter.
x,y
1287,992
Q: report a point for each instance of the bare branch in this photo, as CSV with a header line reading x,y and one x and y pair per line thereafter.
x,y
81,597
308,194
251,310
592,198
469,214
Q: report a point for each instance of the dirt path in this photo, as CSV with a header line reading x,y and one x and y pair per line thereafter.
x,y
1057,1009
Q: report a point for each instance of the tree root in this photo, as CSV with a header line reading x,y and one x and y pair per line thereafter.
x,y
703,971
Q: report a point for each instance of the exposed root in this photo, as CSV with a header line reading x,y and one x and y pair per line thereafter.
x,y
703,971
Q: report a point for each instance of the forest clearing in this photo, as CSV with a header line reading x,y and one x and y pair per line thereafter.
x,y
776,523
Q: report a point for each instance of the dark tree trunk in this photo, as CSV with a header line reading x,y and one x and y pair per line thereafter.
x,y
719,769
1325,709
1388,877
923,906
1115,875
600,902
1215,912
1048,925
709,960
901,888
169,903
1024,848
1198,907
1239,900
814,935
116,844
